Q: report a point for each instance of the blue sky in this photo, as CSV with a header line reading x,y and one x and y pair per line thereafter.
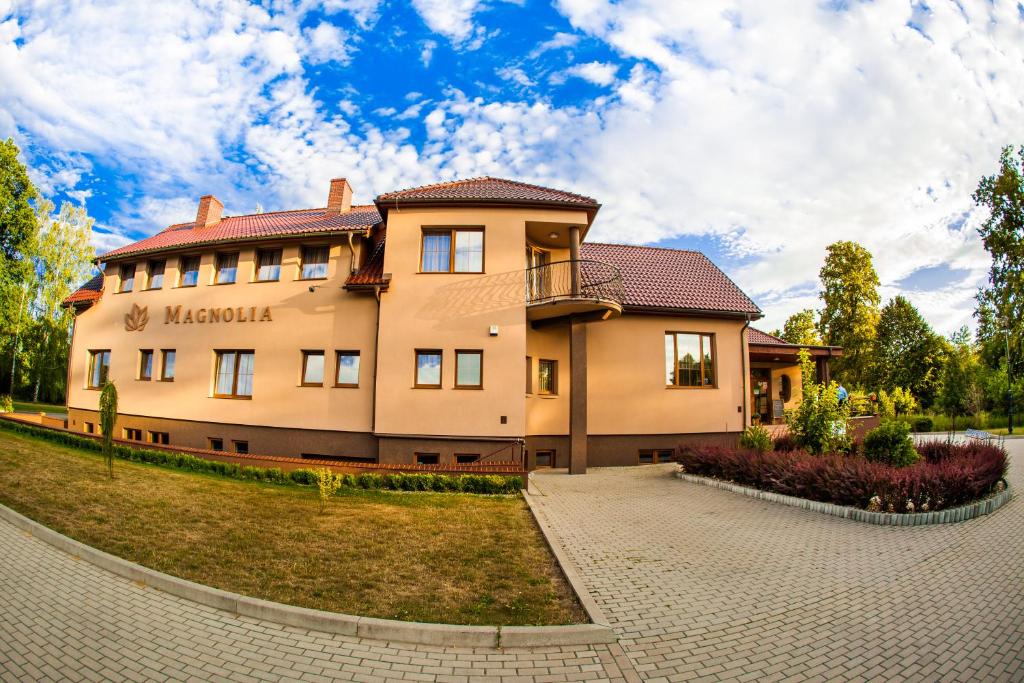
x,y
756,132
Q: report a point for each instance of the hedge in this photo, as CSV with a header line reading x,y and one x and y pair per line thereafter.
x,y
950,475
487,484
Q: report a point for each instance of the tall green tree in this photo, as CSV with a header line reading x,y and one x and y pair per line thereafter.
x,y
62,260
800,329
850,316
960,391
18,230
907,353
1000,309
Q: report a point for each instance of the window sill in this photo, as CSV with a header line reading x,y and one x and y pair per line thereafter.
x,y
478,388
218,284
126,291
674,388
311,385
151,289
233,398
345,386
185,286
451,272
166,379
256,282
311,279
426,386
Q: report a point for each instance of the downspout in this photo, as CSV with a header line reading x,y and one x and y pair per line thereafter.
x,y
744,394
352,255
376,360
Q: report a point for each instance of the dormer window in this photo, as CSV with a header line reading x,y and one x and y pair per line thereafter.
x,y
127,277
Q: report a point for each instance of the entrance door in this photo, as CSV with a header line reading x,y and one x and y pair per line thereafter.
x,y
761,395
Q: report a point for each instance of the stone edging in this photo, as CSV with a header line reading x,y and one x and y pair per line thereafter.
x,y
959,514
439,635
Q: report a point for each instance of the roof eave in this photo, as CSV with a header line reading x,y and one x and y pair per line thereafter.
x,y
384,204
693,312
237,240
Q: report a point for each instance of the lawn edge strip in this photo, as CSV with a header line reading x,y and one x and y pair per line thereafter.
x,y
420,633
948,516
600,626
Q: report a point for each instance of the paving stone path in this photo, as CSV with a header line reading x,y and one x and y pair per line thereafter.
x,y
705,584
699,583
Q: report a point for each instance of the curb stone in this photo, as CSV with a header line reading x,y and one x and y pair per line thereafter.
x,y
949,515
438,635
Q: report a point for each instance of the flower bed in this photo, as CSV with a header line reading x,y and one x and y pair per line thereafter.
x,y
949,475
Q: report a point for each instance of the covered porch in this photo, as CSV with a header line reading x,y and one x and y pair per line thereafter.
x,y
775,380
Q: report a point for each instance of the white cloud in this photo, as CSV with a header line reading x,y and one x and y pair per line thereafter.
x,y
516,75
556,42
598,73
427,52
454,19
327,43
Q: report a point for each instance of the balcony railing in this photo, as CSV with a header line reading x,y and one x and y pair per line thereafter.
x,y
581,280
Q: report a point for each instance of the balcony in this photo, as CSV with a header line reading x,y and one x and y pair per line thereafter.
x,y
580,287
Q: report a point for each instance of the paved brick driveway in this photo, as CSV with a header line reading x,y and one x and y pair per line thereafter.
x,y
705,584
698,583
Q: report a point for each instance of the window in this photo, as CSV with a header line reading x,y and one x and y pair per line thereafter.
x,y
689,360
547,377
227,268
314,262
650,456
241,446
545,458
215,444
268,265
234,374
99,368
451,250
189,276
162,438
146,364
428,458
132,434
529,375
428,368
127,277
168,356
312,368
156,274
466,458
469,369
89,427
348,369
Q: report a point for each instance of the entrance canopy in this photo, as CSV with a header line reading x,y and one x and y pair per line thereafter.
x,y
765,348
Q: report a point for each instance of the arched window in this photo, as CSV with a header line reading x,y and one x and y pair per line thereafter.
x,y
786,388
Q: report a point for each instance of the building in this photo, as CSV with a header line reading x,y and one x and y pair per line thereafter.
x,y
452,323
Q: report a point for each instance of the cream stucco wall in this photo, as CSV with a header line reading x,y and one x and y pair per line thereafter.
x,y
455,311
327,319
549,415
626,378
796,391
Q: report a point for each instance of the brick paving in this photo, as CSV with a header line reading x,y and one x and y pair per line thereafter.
x,y
706,585
699,583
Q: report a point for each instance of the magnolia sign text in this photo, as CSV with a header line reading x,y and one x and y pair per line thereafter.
x,y
240,314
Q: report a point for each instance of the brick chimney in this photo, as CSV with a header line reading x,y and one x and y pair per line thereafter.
x,y
210,209
339,200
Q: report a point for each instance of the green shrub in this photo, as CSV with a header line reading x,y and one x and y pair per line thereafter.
x,y
756,438
922,423
890,443
398,481
6,404
819,423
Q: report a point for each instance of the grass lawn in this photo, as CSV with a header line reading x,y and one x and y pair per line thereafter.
x,y
453,558
30,407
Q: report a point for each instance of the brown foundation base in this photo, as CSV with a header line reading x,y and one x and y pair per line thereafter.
x,y
539,451
292,443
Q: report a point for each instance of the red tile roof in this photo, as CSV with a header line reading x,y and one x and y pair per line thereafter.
x,y
253,227
372,272
88,293
756,336
655,277
487,189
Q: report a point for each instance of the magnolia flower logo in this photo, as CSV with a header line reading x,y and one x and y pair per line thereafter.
x,y
137,319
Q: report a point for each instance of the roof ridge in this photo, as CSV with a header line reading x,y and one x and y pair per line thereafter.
x,y
644,246
464,181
